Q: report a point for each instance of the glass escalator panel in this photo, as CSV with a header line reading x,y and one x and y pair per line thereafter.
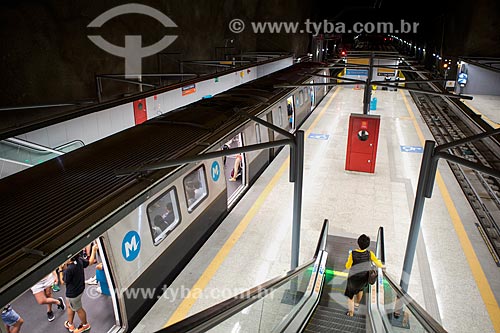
x,y
403,313
30,156
270,311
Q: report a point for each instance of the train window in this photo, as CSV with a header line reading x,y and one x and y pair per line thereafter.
x,y
257,133
280,116
195,188
301,97
164,215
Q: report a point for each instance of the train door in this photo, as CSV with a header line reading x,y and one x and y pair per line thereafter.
x,y
235,169
105,290
98,298
311,92
290,104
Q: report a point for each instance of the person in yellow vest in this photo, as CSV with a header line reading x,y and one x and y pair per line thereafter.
x,y
359,264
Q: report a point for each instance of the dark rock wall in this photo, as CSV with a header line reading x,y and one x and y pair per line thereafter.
x,y
47,58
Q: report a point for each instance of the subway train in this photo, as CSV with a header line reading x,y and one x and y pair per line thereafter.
x,y
148,225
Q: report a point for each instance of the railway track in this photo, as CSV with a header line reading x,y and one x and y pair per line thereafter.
x,y
448,122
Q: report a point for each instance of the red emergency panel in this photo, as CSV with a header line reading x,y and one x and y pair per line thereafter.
x,y
362,143
140,112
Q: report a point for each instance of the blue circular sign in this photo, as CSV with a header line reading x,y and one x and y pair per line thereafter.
x,y
462,78
215,171
131,245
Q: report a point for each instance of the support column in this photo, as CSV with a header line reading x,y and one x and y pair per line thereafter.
x,y
416,216
297,197
368,88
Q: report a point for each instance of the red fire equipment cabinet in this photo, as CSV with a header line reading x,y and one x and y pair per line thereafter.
x,y
140,111
362,142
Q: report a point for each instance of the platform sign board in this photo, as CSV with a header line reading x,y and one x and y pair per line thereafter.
x,y
317,136
358,61
462,79
412,149
356,72
386,72
189,89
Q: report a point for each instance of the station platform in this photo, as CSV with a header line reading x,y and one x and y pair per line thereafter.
x,y
454,276
488,106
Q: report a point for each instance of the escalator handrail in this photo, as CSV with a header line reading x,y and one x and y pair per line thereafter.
x,y
380,247
216,314
69,143
381,322
33,146
424,318
322,239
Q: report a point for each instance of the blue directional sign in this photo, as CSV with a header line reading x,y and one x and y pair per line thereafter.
x,y
361,72
215,171
131,245
318,136
412,149
462,78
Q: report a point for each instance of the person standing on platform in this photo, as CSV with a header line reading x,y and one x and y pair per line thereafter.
x,y
11,319
43,295
73,275
359,264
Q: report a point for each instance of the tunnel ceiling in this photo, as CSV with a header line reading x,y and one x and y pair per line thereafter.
x,y
47,56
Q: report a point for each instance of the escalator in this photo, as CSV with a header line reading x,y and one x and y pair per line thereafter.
x,y
17,154
330,313
311,298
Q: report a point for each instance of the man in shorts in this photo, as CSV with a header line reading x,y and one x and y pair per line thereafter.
x,y
12,320
43,295
72,274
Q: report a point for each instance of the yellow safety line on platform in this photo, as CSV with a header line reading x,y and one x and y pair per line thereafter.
x,y
182,311
477,271
488,120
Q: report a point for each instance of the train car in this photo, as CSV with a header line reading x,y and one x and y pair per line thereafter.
x,y
147,225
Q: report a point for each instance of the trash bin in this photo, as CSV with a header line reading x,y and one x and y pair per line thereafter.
x,y
373,103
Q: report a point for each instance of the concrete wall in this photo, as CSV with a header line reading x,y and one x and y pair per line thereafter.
x,y
98,125
480,81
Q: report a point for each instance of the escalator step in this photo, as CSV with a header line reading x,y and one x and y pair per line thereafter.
x,y
332,327
338,309
339,319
